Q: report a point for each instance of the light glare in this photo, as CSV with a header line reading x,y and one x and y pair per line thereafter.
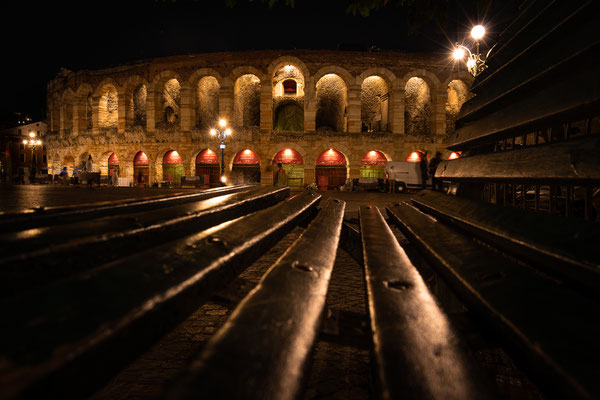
x,y
222,123
213,132
458,54
477,32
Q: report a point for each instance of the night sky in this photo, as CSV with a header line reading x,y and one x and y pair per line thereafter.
x,y
41,38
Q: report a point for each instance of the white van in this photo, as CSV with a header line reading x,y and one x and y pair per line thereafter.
x,y
407,175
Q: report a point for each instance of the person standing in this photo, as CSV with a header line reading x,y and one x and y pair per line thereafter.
x,y
424,167
433,164
280,176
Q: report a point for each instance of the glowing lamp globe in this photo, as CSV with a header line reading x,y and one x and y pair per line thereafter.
x,y
222,123
477,32
213,132
458,54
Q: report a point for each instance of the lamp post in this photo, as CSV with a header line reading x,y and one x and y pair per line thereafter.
x,y
475,60
32,143
221,133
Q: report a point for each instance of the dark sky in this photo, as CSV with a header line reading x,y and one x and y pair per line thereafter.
x,y
40,38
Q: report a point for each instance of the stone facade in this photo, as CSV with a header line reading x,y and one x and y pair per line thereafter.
x,y
166,104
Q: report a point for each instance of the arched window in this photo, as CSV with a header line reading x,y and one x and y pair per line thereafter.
x,y
246,104
332,97
288,106
290,87
417,114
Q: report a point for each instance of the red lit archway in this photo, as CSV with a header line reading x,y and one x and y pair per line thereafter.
x,y
372,165
141,169
113,164
293,164
246,167
172,167
330,170
207,166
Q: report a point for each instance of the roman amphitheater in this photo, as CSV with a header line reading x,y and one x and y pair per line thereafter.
x,y
327,114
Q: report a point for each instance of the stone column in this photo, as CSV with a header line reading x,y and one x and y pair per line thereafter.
x,y
226,101
187,111
309,174
266,106
397,110
122,107
150,111
438,114
62,120
95,115
310,108
77,122
354,120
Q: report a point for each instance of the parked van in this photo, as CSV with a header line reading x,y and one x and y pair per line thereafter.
x,y
404,175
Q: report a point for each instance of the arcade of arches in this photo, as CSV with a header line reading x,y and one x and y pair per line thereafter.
x,y
326,116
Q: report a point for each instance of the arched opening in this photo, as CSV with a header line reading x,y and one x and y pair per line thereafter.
x,y
293,164
55,113
172,167
246,167
67,113
332,102
113,165
374,105
141,169
139,105
372,165
88,111
207,166
171,103
289,117
417,114
457,95
246,102
288,106
330,170
108,107
207,102
69,162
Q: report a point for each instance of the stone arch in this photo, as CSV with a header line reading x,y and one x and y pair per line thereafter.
x,y
334,69
387,75
107,96
331,103
418,107
246,100
375,104
206,99
55,114
288,108
290,145
164,97
66,111
279,62
244,70
429,77
136,93
84,107
201,73
198,149
458,93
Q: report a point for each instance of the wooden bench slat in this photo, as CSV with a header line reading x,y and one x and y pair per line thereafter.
x,y
417,352
565,247
63,250
66,338
574,160
262,350
12,222
554,329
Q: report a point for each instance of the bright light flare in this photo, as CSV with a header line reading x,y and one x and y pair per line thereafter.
x,y
413,157
222,123
32,134
459,53
213,132
38,142
470,63
227,131
454,155
223,179
477,32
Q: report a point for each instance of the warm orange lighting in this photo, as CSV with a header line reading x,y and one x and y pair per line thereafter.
x,y
25,141
372,153
247,152
454,155
223,179
32,134
38,142
223,123
287,152
213,132
414,157
227,131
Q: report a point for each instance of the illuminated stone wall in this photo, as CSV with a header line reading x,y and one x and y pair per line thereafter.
x,y
171,103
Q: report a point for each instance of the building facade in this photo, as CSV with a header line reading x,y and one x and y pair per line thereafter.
x,y
18,159
322,114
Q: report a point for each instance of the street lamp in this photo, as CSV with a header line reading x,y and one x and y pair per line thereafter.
x,y
32,143
221,133
475,61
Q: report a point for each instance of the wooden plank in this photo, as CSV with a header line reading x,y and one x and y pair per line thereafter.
x,y
12,222
32,258
519,61
564,247
417,353
553,330
262,351
573,160
67,338
573,94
